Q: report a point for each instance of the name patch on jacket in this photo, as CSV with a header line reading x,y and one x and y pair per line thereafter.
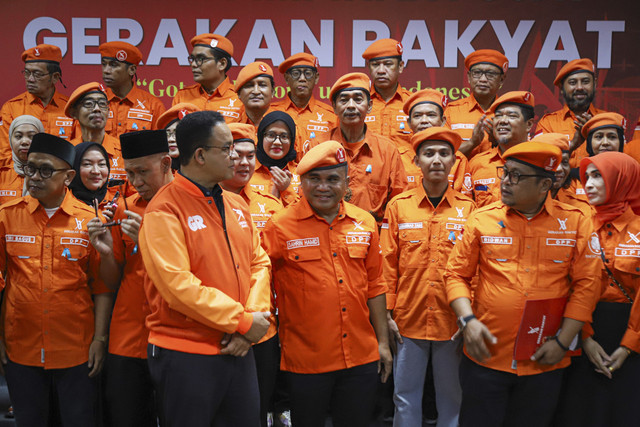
x,y
301,243
496,240
561,242
409,225
450,226
627,253
74,241
5,193
19,239
358,238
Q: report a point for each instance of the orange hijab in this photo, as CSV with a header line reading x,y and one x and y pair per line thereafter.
x,y
621,174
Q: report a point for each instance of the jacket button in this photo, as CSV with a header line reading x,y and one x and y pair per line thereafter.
x,y
335,254
340,281
344,335
297,257
344,309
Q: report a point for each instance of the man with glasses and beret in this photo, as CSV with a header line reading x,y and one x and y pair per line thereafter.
x,y
130,108
41,100
210,60
312,116
56,309
527,247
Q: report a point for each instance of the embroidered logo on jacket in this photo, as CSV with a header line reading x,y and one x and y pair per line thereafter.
x,y
196,223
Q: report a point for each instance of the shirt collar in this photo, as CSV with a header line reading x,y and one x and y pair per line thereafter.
x,y
66,206
304,210
566,112
621,222
397,94
220,91
195,188
423,198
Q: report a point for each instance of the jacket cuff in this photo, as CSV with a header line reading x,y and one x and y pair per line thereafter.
x,y
246,321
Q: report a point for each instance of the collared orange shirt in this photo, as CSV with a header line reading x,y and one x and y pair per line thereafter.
x,y
416,241
224,99
261,204
52,117
261,181
11,184
518,259
484,176
50,273
128,335
376,174
461,116
632,147
388,118
313,119
192,304
561,121
139,110
575,196
324,275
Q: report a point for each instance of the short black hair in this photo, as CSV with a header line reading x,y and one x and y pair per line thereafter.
x,y
219,54
193,131
53,67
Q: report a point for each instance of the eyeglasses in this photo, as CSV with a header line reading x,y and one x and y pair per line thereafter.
x,y
171,133
38,75
272,136
45,171
490,75
226,149
91,103
512,176
199,60
295,73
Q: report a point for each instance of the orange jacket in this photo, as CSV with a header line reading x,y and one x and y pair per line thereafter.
x,y
416,241
324,275
192,304
519,260
128,333
223,100
561,121
139,110
52,117
484,176
376,174
261,181
462,116
50,272
314,119
388,119
11,184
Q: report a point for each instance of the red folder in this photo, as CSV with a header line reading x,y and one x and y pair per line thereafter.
x,y
541,319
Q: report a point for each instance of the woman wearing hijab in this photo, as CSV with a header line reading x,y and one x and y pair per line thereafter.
x,y
602,383
21,133
92,174
275,169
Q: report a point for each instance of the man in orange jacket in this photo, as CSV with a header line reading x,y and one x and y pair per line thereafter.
x,y
130,108
526,247
148,165
204,316
41,100
331,302
55,310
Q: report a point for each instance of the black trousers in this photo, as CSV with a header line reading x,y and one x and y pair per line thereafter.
x,y
349,395
267,356
494,398
128,393
30,388
199,390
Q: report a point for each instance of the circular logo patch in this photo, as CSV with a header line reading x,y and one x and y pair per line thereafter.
x,y
505,66
594,244
102,88
526,96
121,55
182,113
340,155
262,68
213,43
399,47
445,101
316,63
36,51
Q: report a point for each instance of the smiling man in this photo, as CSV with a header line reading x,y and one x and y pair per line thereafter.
x,y
41,74
526,247
130,108
255,87
512,121
210,60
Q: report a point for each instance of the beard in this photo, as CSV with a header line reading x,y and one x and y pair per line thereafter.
x,y
578,105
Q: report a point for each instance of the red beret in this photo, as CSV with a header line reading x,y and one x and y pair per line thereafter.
x,y
436,133
425,95
560,140
251,71
177,112
572,67
350,81
604,120
516,97
213,41
43,53
242,132
301,59
328,155
383,48
121,51
80,92
537,154
486,56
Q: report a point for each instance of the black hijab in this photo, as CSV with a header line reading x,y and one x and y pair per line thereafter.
x,y
267,121
77,187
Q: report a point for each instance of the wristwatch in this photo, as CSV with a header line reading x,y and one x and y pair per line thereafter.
x,y
463,320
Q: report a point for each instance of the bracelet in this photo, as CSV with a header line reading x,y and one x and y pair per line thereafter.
x,y
627,350
562,346
102,339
